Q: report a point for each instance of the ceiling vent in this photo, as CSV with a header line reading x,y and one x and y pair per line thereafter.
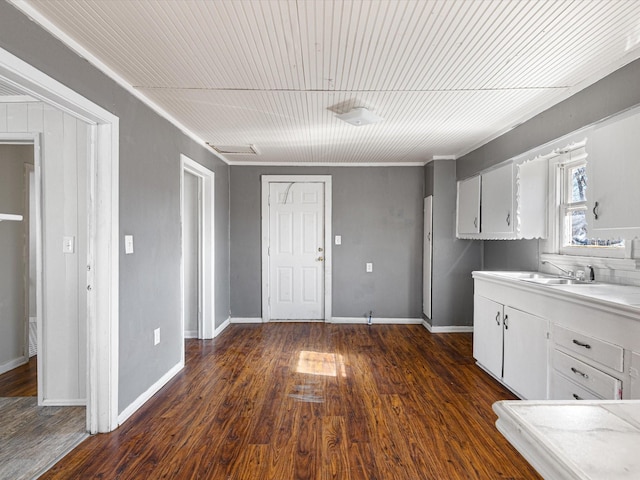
x,y
234,149
360,116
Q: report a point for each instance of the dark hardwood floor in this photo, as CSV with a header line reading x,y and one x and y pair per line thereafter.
x,y
22,381
313,401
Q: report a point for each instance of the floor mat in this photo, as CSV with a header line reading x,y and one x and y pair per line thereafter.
x,y
33,438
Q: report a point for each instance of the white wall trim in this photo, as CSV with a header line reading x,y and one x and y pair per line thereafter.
x,y
72,402
449,328
11,364
377,321
103,228
150,392
190,334
221,328
46,24
245,320
206,179
326,179
241,163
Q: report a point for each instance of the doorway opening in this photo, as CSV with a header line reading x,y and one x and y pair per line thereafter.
x,y
296,247
198,247
100,272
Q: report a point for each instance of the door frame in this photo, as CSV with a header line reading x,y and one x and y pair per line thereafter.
x,y
206,241
265,180
103,231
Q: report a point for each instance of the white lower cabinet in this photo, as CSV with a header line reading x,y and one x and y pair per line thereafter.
x,y
513,346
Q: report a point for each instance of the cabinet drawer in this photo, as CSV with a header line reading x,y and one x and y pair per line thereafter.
x,y
604,353
564,389
586,376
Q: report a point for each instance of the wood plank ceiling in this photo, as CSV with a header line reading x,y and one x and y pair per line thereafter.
x,y
446,76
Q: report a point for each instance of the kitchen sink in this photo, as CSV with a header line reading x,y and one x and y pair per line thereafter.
x,y
555,281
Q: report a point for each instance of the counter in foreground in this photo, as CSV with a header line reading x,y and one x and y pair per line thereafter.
x,y
575,440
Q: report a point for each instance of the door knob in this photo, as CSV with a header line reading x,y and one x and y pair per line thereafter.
x,y
319,259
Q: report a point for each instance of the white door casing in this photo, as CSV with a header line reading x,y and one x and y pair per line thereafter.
x,y
296,247
103,230
427,256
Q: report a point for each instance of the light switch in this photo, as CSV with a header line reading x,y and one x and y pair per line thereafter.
x,y
128,244
338,239
68,244
156,336
369,267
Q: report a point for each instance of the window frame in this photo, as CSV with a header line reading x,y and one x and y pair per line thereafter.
x,y
565,162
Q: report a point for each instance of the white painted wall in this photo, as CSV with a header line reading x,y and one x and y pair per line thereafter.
x,y
13,297
62,349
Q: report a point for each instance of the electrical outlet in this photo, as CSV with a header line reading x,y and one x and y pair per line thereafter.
x,y
338,239
156,336
369,267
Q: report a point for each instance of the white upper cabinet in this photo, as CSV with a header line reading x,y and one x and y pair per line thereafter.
x,y
497,202
468,207
491,197
613,172
532,198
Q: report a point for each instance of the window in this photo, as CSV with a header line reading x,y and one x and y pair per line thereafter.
x,y
574,237
574,204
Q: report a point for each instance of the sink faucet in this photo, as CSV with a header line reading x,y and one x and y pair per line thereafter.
x,y
568,273
592,274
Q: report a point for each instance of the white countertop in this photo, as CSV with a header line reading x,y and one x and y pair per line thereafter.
x,y
622,295
575,440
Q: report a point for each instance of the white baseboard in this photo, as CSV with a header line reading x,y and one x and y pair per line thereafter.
x,y
449,328
11,364
151,391
221,328
72,402
190,334
246,319
378,321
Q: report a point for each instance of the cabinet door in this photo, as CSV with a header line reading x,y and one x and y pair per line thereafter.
x,y
427,256
526,354
634,372
487,334
613,171
469,206
497,201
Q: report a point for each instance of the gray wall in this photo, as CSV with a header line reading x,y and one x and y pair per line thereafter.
x,y
12,263
453,259
378,212
511,255
150,149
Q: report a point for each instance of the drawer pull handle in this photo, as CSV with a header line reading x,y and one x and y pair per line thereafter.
x,y
577,397
506,322
578,372
580,344
498,318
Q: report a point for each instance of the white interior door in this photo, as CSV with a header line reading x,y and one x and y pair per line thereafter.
x,y
427,256
296,250
191,214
